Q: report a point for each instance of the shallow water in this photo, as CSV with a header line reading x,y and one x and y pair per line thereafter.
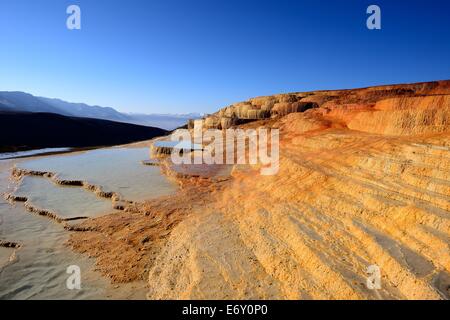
x,y
40,269
11,155
185,145
115,169
65,201
5,254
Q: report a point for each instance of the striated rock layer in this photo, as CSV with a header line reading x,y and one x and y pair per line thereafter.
x,y
364,180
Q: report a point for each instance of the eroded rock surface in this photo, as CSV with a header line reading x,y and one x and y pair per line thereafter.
x,y
364,180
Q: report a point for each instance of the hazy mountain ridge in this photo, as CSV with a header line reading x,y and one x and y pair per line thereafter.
x,y
21,101
165,121
85,110
24,102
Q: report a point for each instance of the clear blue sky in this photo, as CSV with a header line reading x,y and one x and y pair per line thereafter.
x,y
163,56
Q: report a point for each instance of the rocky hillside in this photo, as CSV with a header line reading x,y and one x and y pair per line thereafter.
x,y
31,130
385,103
364,180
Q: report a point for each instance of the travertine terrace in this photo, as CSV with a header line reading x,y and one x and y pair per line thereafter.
x,y
364,180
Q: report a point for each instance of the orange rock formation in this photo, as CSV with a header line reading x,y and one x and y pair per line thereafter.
x,y
364,180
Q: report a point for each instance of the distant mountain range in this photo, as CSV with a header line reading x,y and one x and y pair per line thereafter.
x,y
24,102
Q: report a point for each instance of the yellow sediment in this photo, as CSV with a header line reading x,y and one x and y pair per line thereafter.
x,y
360,185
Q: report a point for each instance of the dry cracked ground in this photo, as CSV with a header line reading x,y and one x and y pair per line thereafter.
x,y
364,180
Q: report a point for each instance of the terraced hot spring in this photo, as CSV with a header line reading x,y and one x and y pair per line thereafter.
x,y
115,169
68,202
38,270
